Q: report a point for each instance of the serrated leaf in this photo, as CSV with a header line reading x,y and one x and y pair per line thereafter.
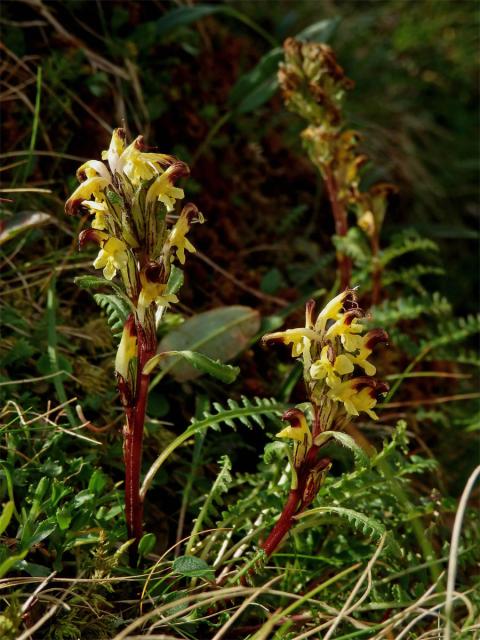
x,y
116,309
346,441
93,282
220,334
192,567
224,372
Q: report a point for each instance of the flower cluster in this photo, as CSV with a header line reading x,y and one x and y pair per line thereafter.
x,y
332,347
131,197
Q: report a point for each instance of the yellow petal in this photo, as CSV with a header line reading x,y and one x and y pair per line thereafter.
x,y
109,271
343,365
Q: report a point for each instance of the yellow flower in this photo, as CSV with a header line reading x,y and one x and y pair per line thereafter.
x,y
300,339
367,343
115,150
112,256
333,310
127,350
139,165
330,367
177,237
346,329
92,169
164,190
299,432
154,292
358,394
100,210
91,187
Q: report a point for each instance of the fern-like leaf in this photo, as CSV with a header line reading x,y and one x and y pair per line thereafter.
x,y
454,331
390,312
406,243
116,309
366,526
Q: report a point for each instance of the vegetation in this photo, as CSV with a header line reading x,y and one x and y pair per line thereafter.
x,y
164,471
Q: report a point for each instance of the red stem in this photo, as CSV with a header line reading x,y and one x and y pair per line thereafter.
x,y
341,227
133,439
283,524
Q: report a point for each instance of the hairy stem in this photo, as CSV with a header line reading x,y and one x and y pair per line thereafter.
x,y
283,524
133,440
341,227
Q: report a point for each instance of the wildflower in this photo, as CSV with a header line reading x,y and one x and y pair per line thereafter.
x,y
115,150
177,237
92,187
300,433
112,256
164,189
300,339
358,394
331,348
154,287
331,367
127,350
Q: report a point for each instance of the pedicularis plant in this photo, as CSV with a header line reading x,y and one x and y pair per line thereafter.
x,y
314,86
131,196
332,348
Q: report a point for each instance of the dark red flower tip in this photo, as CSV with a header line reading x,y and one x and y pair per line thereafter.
x,y
374,337
294,416
309,312
90,235
155,272
73,207
191,212
351,315
178,170
130,325
377,387
350,302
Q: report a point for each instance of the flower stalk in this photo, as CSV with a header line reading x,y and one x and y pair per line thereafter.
x,y
132,197
314,86
334,349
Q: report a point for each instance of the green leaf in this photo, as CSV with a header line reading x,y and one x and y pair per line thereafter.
x,y
274,450
346,441
146,544
192,567
257,86
321,31
10,562
224,372
21,222
183,16
175,280
6,516
93,282
220,334
64,518
43,530
117,311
